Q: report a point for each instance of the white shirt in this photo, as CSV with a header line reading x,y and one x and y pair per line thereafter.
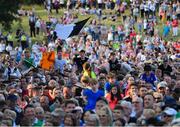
x,y
145,25
51,45
99,1
110,36
2,47
146,7
59,64
35,48
152,7
38,23
142,6
61,1
13,72
9,48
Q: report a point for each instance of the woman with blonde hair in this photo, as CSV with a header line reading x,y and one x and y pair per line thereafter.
x,y
105,116
92,120
147,114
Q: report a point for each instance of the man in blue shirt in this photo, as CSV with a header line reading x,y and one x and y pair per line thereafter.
x,y
148,76
91,95
166,30
111,81
59,63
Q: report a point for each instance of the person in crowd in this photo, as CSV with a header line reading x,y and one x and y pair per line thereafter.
x,y
105,116
24,43
10,39
111,81
79,60
148,76
114,96
60,63
88,71
148,101
92,95
11,72
32,23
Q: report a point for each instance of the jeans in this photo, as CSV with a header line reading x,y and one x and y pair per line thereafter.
x,y
175,31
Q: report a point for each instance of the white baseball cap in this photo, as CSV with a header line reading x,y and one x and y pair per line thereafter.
x,y
170,111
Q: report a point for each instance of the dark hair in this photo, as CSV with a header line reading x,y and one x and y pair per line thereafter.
x,y
69,102
60,99
103,70
120,77
121,120
133,84
118,94
111,75
73,118
112,54
147,68
85,79
82,51
28,106
86,66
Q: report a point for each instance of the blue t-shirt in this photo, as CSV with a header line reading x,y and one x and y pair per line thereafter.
x,y
149,79
107,86
166,30
92,98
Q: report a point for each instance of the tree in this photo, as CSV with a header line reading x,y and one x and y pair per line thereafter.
x,y
8,12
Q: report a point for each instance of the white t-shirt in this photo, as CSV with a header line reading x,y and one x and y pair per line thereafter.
x,y
145,25
110,36
99,1
61,1
152,7
51,45
59,64
38,24
2,47
9,48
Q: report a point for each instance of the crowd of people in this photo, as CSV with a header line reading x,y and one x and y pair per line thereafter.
x,y
122,75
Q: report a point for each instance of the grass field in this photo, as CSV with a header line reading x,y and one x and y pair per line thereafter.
x,y
41,12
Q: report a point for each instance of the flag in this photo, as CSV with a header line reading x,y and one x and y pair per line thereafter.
x,y
66,31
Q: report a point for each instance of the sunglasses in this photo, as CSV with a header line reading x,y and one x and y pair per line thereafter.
x,y
103,116
167,115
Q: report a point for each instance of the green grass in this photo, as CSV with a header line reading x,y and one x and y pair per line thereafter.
x,y
41,12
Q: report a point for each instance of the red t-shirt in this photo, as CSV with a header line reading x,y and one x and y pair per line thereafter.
x,y
175,23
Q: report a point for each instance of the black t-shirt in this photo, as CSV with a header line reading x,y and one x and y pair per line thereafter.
x,y
113,65
166,70
79,62
128,99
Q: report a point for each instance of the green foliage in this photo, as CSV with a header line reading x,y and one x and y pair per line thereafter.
x,y
128,1
8,12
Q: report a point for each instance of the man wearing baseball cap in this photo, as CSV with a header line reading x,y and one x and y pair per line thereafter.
x,y
168,115
161,87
